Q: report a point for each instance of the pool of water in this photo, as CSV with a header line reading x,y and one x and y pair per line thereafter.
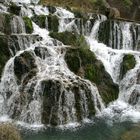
x,y
100,130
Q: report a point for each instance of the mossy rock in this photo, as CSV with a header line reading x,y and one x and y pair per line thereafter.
x,y
4,52
5,26
68,38
93,70
25,67
28,25
53,23
55,101
14,9
9,132
51,9
40,20
50,101
127,64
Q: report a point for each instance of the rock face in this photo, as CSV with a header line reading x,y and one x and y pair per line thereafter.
x,y
4,53
63,104
127,64
25,67
112,13
5,26
84,63
128,9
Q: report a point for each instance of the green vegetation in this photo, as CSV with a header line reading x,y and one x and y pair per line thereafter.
x,y
93,70
53,23
127,3
83,62
68,38
127,64
40,20
28,25
9,132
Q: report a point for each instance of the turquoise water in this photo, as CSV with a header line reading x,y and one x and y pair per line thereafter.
x,y
97,131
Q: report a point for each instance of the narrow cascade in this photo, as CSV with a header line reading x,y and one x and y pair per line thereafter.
x,y
37,87
17,25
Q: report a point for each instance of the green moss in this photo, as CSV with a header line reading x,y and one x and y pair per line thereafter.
x,y
73,61
68,38
128,63
28,25
40,20
93,70
53,23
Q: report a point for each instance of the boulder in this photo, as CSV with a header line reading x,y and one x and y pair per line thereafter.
x,y
25,67
127,64
93,70
112,12
4,52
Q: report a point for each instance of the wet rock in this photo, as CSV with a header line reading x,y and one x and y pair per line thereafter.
x,y
51,9
127,64
4,52
53,23
62,105
111,33
93,70
134,97
40,20
14,9
5,26
42,52
24,66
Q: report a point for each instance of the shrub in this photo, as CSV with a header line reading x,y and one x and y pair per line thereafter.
x,y
9,132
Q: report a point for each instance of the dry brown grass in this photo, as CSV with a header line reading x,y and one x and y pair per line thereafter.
x,y
9,132
82,5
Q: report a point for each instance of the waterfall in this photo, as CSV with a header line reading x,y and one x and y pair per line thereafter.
x,y
17,25
119,34
41,89
37,87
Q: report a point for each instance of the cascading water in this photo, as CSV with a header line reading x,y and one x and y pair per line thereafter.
x,y
36,85
42,90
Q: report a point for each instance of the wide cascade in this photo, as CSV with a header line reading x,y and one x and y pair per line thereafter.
x,y
45,80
